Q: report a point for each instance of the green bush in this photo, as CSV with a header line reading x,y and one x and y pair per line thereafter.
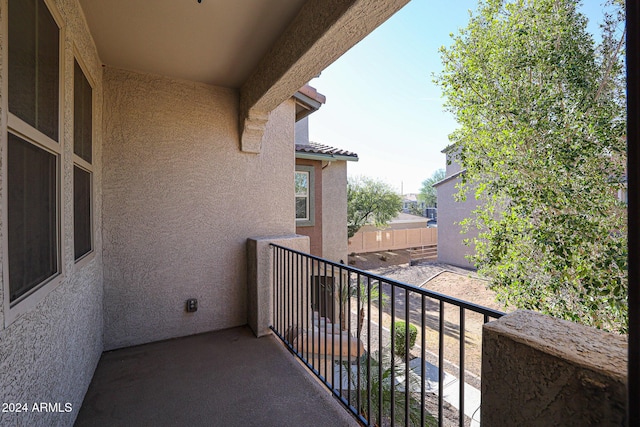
x,y
400,331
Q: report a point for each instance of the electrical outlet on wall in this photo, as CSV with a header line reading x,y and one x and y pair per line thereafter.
x,y
192,305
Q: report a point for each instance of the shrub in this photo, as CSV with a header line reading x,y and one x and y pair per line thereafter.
x,y
374,374
400,331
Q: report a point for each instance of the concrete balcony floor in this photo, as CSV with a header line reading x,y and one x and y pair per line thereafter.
x,y
225,378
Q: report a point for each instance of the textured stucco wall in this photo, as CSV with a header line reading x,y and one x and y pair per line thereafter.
x,y
260,283
334,207
453,165
451,247
302,131
541,371
314,232
180,201
49,353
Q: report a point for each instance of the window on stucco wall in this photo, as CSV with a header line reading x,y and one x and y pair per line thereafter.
x,y
305,202
82,163
33,153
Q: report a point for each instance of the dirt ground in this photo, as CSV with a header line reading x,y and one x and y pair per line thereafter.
x,y
445,279
464,287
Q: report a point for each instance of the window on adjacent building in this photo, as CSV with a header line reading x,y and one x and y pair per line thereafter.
x,y
302,195
33,148
82,163
304,180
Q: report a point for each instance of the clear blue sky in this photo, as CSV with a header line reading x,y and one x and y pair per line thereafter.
x,y
381,101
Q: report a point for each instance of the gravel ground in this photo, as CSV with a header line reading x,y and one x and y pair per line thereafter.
x,y
419,274
396,263
446,279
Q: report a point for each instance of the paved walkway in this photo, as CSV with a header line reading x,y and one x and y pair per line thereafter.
x,y
451,390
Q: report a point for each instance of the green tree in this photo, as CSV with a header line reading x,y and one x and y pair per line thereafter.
x,y
428,193
541,135
370,201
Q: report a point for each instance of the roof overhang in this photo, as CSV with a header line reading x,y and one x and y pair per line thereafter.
x,y
450,178
325,157
308,101
267,50
317,151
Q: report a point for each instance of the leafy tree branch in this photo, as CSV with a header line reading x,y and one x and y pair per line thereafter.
x,y
370,201
541,114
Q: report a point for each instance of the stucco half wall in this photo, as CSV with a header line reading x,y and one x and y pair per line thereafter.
x,y
555,372
180,201
49,353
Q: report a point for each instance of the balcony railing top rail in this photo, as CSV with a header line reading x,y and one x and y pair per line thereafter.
x,y
496,314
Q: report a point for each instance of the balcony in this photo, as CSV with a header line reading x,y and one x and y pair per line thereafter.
x,y
333,354
226,378
302,374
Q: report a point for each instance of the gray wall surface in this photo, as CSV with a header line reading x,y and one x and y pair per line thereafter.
x,y
302,131
334,211
49,353
451,247
180,201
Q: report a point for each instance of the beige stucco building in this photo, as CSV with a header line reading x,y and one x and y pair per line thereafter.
x,y
452,248
187,112
321,185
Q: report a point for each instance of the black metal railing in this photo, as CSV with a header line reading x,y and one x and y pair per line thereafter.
x,y
392,353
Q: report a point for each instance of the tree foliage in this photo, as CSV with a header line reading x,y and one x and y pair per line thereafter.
x,y
541,114
370,201
427,192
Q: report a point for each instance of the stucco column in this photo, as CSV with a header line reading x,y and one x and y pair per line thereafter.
x,y
542,371
260,278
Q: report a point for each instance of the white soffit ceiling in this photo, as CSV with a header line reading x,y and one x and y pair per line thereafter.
x,y
217,42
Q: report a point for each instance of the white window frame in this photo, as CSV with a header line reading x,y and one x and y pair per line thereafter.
x,y
83,164
12,124
310,220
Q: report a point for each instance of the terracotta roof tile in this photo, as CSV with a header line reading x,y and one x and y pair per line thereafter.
x,y
316,148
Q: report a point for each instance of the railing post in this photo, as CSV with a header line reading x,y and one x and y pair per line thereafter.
x,y
260,278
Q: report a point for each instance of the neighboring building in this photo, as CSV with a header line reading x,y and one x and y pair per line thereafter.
x,y
321,186
451,247
159,140
412,204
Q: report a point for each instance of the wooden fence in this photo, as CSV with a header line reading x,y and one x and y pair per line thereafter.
x,y
384,240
